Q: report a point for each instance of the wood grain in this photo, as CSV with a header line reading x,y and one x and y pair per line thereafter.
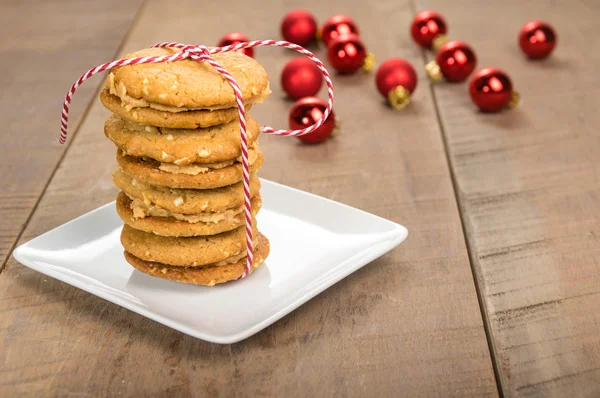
x,y
41,56
529,186
407,323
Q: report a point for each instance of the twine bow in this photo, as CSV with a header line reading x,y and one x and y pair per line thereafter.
x,y
202,53
198,52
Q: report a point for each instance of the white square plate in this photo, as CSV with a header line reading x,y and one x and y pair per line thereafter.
x,y
315,242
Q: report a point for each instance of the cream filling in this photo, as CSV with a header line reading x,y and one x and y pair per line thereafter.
x,y
194,168
128,102
142,209
230,260
200,168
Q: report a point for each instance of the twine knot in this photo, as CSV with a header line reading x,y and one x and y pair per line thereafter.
x,y
197,53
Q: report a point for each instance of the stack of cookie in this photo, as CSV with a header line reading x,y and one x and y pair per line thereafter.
x,y
177,132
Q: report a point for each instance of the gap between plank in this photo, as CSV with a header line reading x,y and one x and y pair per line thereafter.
x,y
463,222
470,251
72,137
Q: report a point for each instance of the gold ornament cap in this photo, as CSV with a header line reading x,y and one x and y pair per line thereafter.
x,y
370,62
514,100
337,128
399,97
319,34
433,71
438,42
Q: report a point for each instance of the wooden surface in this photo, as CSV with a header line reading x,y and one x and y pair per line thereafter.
x,y
527,184
40,58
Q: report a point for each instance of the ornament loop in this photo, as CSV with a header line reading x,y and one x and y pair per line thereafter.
x,y
439,41
399,98
370,62
515,100
433,71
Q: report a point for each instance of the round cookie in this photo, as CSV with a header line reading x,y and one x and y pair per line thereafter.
x,y
185,251
180,146
208,276
178,120
148,171
187,84
186,201
169,226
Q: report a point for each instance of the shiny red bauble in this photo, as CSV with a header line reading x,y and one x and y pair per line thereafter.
x,y
301,78
347,53
491,90
306,112
456,60
426,27
537,39
235,38
396,80
299,27
338,25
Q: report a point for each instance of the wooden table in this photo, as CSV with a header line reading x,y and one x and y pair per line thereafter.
x,y
495,292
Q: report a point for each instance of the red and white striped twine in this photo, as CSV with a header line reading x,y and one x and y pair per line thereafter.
x,y
202,54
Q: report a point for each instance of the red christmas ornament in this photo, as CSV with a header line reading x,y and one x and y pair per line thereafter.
x,y
337,25
396,80
491,90
299,27
235,38
426,27
301,78
306,112
347,54
537,39
455,61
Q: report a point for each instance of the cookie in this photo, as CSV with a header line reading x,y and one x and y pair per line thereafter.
x,y
186,251
162,222
209,275
149,171
178,120
187,85
185,201
180,146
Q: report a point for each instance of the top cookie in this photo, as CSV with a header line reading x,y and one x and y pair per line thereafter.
x,y
187,85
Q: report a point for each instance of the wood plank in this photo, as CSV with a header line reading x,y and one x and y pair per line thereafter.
x,y
41,56
409,321
529,184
